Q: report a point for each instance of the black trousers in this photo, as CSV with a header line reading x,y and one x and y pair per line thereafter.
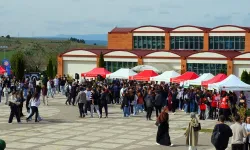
x,y
157,110
87,107
202,115
34,110
247,145
131,109
14,112
225,112
149,112
81,109
237,146
105,109
173,106
74,99
213,112
68,101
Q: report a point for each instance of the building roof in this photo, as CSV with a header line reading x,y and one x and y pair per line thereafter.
x,y
131,29
142,53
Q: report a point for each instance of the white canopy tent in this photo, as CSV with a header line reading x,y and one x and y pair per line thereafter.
x,y
165,76
197,81
231,83
122,73
141,68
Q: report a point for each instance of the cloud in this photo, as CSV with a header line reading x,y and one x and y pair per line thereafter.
x,y
48,17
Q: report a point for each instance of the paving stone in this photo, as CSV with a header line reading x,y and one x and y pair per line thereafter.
x,y
54,147
86,138
105,145
70,142
119,141
38,140
20,145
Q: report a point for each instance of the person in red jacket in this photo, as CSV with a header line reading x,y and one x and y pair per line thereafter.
x,y
214,105
224,107
202,108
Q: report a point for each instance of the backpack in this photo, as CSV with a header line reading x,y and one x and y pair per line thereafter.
x,y
215,138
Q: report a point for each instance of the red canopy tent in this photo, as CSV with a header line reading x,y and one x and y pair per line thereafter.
x,y
184,77
95,72
2,70
144,75
217,78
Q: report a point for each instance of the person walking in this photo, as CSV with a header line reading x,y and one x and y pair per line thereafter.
x,y
89,101
158,103
103,103
14,109
246,125
34,103
225,133
44,95
239,133
149,104
162,122
95,101
191,134
6,92
125,106
81,100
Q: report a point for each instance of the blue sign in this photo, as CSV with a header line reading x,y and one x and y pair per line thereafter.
x,y
6,65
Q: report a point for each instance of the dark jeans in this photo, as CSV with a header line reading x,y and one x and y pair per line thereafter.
x,y
131,109
105,108
34,110
81,109
173,106
74,99
14,112
68,100
149,112
157,110
214,113
247,145
202,115
237,146
87,107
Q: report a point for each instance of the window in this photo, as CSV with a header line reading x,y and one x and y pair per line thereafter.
x,y
227,42
113,66
207,68
187,42
149,42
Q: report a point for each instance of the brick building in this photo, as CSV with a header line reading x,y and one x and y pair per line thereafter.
x,y
185,48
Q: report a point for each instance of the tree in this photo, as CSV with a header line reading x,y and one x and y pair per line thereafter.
x,y
8,36
101,61
18,64
55,70
50,70
244,76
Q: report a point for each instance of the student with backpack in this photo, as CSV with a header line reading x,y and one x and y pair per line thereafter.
x,y
221,134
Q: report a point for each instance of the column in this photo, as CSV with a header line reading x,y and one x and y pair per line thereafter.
x,y
229,67
97,60
206,42
167,41
183,65
247,42
140,60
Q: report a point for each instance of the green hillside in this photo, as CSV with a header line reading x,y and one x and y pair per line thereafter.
x,y
54,46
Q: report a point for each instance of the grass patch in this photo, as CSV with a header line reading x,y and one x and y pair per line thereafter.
x,y
202,130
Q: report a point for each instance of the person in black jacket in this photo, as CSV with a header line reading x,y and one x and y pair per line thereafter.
x,y
103,103
125,104
73,93
95,101
149,103
225,133
158,102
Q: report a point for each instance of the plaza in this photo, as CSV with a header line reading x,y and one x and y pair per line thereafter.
x,y
62,129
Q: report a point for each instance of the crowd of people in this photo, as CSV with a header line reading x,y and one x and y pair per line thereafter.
x,y
133,97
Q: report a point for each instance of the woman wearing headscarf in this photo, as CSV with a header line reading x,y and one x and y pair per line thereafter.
x,y
163,137
192,134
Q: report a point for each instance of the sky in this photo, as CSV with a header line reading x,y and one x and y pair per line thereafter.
x,y
27,18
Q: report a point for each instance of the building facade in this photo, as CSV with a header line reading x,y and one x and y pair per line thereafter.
x,y
184,48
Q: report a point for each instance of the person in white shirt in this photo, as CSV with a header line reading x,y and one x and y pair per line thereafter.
x,y
89,96
49,88
34,103
6,92
56,82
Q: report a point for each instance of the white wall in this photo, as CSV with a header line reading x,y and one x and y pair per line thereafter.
x,y
79,52
207,55
71,67
228,28
148,29
80,58
227,34
187,29
247,55
186,34
120,53
162,54
239,68
148,34
150,60
121,59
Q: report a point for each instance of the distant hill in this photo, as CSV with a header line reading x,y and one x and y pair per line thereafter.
x,y
98,39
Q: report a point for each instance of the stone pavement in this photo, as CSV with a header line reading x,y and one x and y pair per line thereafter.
x,y
61,129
